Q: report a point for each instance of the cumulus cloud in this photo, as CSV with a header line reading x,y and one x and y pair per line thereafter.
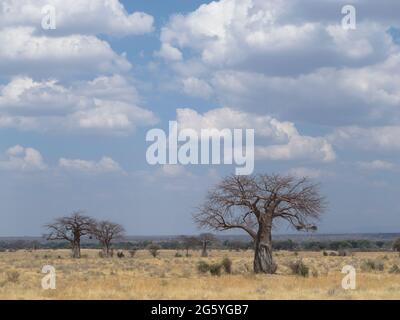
x,y
105,104
20,158
104,165
253,53
76,16
276,140
30,53
383,138
197,87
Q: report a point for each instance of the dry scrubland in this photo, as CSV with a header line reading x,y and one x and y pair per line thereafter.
x,y
170,277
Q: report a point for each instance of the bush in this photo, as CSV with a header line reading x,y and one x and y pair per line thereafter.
x,y
203,267
396,245
299,268
120,254
215,269
394,269
178,255
227,265
132,252
325,253
153,249
371,265
12,276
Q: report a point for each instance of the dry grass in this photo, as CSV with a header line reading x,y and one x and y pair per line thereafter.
x,y
170,277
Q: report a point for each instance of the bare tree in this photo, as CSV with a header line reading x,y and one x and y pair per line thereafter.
x,y
106,232
254,203
188,243
205,239
71,228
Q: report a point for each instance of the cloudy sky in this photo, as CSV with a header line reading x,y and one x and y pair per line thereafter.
x,y
76,103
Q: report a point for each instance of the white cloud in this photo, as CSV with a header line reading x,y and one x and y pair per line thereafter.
x,y
104,165
28,52
105,104
169,52
22,159
77,16
253,53
197,87
278,140
384,138
377,165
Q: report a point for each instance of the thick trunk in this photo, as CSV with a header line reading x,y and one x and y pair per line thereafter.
x,y
204,252
263,262
76,250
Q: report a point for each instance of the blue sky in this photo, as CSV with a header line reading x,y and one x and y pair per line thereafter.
x,y
76,104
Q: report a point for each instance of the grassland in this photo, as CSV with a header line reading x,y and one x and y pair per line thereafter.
x,y
170,277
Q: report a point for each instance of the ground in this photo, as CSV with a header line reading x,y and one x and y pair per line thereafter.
x,y
170,277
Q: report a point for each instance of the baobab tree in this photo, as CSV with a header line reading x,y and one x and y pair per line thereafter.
x,y
254,204
71,228
106,232
205,239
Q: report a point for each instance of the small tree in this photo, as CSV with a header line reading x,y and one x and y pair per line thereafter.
x,y
71,228
205,239
153,249
396,245
254,203
106,232
188,242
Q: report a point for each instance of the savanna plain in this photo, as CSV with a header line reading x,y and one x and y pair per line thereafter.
x,y
173,275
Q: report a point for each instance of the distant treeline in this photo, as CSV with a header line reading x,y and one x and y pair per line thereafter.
x,y
290,245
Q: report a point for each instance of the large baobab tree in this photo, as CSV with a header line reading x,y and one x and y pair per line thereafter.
x,y
106,232
254,203
205,239
71,228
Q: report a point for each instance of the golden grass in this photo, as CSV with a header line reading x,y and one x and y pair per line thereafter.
x,y
169,277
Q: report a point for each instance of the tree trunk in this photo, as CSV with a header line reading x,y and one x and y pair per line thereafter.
x,y
107,251
204,252
263,262
76,250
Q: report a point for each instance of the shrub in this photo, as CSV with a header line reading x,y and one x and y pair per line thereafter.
x,y
132,252
215,269
227,265
120,254
203,267
299,268
325,253
178,255
153,249
12,276
394,269
396,245
371,265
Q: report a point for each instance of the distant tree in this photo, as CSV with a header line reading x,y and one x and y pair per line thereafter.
x,y
71,228
188,242
253,203
153,248
396,245
205,239
106,232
